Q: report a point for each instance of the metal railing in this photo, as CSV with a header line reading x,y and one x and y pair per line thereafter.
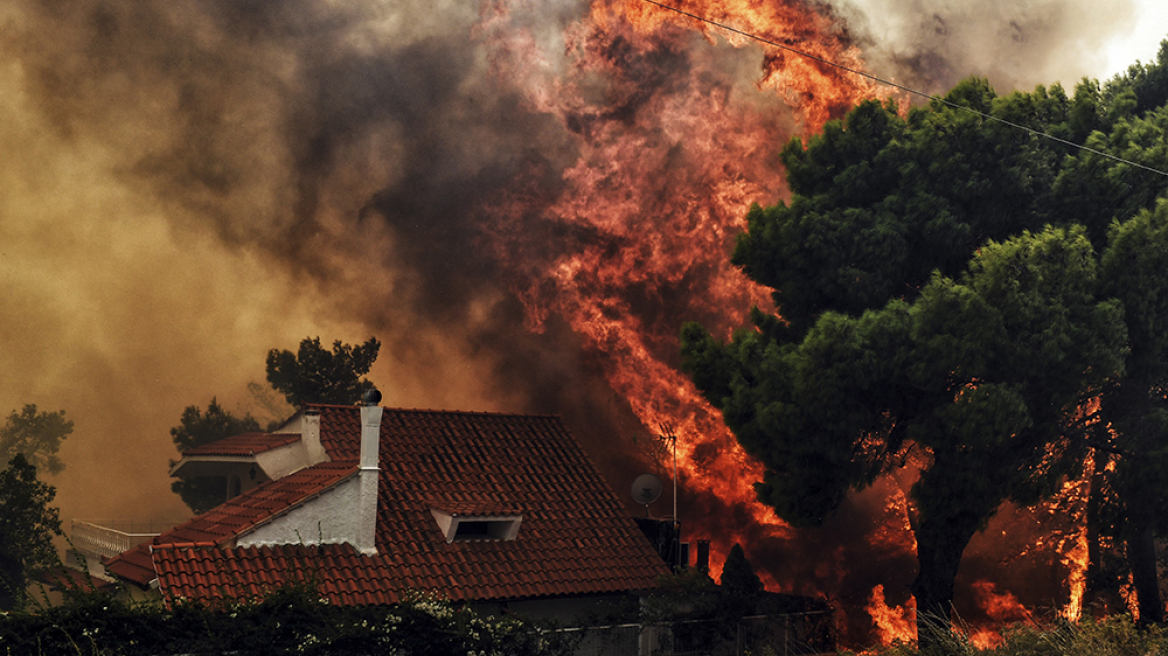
x,y
110,537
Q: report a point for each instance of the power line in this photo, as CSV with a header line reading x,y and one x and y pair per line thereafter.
x,y
949,103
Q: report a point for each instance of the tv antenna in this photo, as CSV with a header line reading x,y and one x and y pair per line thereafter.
x,y
668,435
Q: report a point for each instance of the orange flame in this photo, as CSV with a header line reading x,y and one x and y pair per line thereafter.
x,y
635,236
1001,607
1075,553
628,234
892,624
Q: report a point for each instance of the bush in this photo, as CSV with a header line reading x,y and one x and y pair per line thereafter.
x,y
289,620
1113,636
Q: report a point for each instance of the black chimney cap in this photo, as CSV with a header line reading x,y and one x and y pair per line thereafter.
x,y
371,396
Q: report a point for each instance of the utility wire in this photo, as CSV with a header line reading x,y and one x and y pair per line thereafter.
x,y
910,90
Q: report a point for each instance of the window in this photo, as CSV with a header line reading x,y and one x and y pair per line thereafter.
x,y
471,530
459,527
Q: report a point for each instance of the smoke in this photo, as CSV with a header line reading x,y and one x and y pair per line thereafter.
x,y
192,185
932,44
187,185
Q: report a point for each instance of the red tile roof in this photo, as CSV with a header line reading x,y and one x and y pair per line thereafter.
x,y
247,444
341,575
221,524
475,509
575,537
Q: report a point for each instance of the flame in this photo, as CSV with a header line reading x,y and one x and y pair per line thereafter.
x,y
1002,607
633,237
1127,591
1075,554
985,638
625,231
892,624
818,89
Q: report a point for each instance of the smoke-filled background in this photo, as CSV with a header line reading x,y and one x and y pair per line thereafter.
x,y
523,200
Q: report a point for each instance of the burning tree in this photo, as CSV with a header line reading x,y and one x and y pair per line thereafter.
x,y
977,380
888,353
1135,407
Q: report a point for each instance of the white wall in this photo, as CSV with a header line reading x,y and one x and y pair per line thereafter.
x,y
329,518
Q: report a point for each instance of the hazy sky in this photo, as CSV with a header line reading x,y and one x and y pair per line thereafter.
x,y
934,43
186,185
1141,42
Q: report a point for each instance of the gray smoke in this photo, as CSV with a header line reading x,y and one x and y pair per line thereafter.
x,y
932,44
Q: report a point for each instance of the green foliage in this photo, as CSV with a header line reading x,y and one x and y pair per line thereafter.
x,y
1133,269
27,527
984,371
1148,83
1093,190
314,375
197,428
290,620
738,575
881,202
939,298
37,436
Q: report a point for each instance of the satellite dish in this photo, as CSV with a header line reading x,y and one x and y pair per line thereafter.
x,y
646,489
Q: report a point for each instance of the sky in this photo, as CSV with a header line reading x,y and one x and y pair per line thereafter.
x,y
184,186
1141,43
934,43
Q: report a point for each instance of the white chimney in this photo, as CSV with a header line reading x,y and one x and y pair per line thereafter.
x,y
310,437
366,538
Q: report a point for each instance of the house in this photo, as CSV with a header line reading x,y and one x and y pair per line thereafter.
x,y
504,512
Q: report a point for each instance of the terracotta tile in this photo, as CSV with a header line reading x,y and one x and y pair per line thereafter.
x,y
574,538
243,445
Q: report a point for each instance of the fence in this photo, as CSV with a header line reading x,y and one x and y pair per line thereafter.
x,y
794,634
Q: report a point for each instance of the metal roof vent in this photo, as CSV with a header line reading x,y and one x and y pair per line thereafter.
x,y
371,396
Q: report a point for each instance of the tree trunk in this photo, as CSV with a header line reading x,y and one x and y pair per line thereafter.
x,y
1141,556
1101,594
940,544
1092,588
